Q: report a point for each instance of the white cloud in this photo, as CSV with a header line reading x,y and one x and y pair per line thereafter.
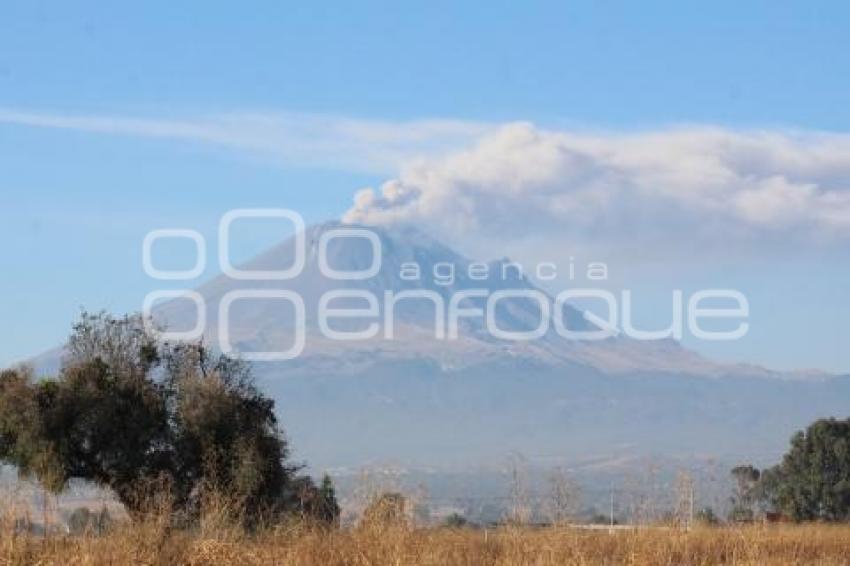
x,y
663,190
294,139
518,186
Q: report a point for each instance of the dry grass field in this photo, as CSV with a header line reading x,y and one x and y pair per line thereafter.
x,y
151,543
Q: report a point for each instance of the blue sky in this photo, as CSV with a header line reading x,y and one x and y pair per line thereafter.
x,y
76,201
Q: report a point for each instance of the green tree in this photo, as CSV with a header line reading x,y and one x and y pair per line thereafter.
x,y
317,504
131,412
328,508
813,480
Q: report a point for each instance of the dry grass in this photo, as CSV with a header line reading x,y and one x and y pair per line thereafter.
x,y
150,543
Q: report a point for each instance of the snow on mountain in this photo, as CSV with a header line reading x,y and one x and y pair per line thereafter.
x,y
265,324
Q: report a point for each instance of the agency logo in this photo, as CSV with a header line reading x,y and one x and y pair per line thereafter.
x,y
451,306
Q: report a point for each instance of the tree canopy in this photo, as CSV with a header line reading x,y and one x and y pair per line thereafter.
x,y
129,411
813,479
812,482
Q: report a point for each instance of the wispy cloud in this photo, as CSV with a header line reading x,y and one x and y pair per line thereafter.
x,y
290,138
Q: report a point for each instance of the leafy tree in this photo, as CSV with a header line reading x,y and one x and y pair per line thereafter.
x,y
22,430
813,480
224,432
131,413
746,493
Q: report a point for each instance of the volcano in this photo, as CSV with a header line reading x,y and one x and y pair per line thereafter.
x,y
419,399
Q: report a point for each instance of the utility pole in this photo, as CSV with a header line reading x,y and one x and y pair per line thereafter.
x,y
612,507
